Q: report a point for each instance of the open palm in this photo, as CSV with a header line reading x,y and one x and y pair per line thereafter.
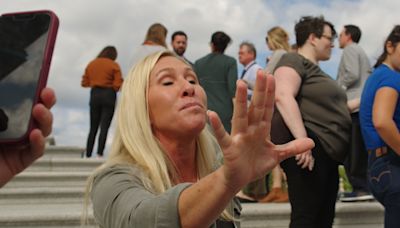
x,y
248,152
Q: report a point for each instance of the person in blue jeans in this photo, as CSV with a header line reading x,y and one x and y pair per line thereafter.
x,y
380,126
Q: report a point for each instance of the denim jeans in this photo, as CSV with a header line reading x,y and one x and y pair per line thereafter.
x,y
384,183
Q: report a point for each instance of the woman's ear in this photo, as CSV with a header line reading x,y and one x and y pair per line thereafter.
x,y
212,47
389,47
312,38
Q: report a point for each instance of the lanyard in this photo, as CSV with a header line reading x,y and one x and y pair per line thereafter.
x,y
245,70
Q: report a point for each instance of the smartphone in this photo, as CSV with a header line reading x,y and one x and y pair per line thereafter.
x,y
26,46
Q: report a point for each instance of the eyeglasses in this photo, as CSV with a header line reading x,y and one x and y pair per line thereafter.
x,y
266,39
330,38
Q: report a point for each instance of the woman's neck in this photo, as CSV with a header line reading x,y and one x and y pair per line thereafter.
x,y
387,63
308,54
183,156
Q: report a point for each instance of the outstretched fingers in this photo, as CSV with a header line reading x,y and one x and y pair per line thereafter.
x,y
239,118
257,105
221,135
270,99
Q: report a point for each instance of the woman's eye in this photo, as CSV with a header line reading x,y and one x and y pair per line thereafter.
x,y
191,79
167,83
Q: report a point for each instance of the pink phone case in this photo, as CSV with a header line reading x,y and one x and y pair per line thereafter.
x,y
45,67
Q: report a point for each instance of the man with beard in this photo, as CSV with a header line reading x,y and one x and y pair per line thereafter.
x,y
179,44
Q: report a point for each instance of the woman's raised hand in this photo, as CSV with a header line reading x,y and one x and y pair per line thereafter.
x,y
248,152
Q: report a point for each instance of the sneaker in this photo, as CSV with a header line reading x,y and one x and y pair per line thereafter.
x,y
356,197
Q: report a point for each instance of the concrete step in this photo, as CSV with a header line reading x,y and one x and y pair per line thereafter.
x,y
50,193
64,164
259,215
360,215
271,215
64,151
43,216
41,195
348,215
49,179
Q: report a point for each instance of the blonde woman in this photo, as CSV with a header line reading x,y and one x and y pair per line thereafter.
x,y
278,42
162,170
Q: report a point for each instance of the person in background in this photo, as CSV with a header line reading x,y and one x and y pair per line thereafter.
x,y
163,171
380,127
354,69
217,73
247,57
103,76
154,41
313,105
179,44
14,159
278,42
293,47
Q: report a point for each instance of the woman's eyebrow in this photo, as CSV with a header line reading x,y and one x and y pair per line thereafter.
x,y
167,69
189,69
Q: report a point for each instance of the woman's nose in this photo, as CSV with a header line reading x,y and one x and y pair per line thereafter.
x,y
188,89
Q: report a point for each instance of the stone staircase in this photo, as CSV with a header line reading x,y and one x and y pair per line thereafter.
x,y
49,194
348,215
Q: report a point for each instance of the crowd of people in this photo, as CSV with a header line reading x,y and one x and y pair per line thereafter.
x,y
191,140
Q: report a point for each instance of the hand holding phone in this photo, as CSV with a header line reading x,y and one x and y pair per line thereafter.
x,y
26,45
15,158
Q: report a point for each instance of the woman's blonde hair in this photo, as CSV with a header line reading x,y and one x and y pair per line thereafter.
x,y
134,142
278,38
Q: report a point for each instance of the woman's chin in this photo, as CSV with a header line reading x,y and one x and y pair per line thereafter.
x,y
195,127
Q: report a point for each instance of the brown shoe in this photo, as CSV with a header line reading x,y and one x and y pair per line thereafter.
x,y
272,195
283,197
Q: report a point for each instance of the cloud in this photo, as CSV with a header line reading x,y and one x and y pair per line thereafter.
x,y
87,26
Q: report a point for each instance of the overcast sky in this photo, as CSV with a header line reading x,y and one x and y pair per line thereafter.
x,y
88,26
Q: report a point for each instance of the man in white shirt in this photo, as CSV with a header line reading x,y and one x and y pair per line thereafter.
x,y
247,56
